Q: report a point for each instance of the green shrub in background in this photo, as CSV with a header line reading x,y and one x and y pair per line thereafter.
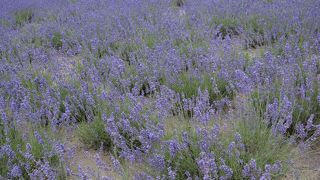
x,y
228,25
188,87
23,16
93,135
254,25
216,87
178,3
57,40
260,144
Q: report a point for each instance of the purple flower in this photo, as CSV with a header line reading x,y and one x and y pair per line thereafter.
x,y
173,147
38,137
242,82
227,172
16,171
276,167
185,140
231,146
272,113
82,174
310,122
171,173
207,165
251,170
101,164
116,164
142,176
158,162
267,173
300,130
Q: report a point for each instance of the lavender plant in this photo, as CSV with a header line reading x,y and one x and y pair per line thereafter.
x,y
30,155
118,72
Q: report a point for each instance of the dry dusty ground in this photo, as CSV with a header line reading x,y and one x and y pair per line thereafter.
x,y
306,166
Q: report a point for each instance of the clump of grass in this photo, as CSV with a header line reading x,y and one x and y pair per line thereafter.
x,y
179,3
124,49
57,40
93,135
217,87
256,38
4,22
261,144
149,39
228,26
23,16
37,41
188,87
254,25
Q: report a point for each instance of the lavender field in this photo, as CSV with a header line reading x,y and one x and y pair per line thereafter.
x,y
160,89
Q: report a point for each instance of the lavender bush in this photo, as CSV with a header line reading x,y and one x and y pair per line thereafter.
x,y
171,89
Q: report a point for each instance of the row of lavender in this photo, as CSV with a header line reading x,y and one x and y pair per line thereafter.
x,y
240,77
